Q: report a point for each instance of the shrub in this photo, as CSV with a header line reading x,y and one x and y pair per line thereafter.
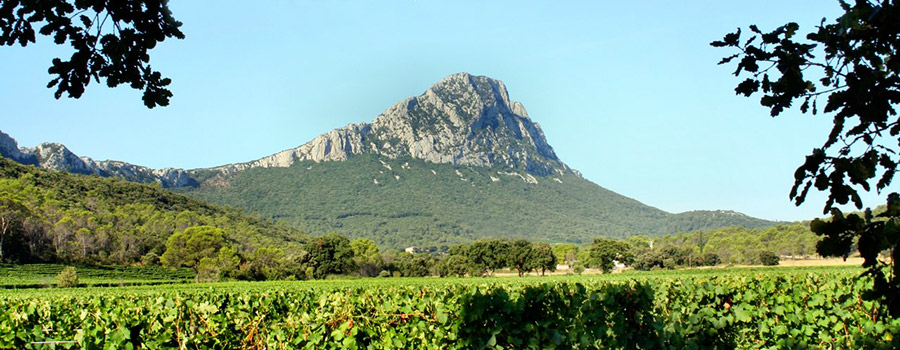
x,y
578,268
711,259
768,258
67,278
150,259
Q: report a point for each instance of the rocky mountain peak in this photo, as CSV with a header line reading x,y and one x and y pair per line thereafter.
x,y
467,120
56,156
462,119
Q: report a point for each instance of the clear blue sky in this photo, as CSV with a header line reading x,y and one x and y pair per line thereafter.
x,y
628,93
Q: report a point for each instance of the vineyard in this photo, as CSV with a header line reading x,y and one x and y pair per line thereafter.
x,y
43,275
719,308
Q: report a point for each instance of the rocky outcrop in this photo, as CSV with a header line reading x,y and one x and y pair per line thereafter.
x,y
10,149
466,120
168,177
335,145
463,119
55,156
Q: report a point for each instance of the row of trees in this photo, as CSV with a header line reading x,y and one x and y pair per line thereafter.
x,y
335,254
206,249
736,245
730,245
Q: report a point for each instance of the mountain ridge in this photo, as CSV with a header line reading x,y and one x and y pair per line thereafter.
x,y
462,124
56,156
437,129
462,119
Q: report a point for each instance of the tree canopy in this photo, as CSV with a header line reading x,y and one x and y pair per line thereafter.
x,y
12,210
329,254
110,39
858,80
188,247
852,64
606,252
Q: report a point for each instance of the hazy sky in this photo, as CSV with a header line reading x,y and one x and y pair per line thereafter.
x,y
628,93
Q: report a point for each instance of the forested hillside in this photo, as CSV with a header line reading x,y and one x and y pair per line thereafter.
x,y
52,216
408,202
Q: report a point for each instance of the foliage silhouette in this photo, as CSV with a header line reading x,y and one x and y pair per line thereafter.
x,y
859,78
110,39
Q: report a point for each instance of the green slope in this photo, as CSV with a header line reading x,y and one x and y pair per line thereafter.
x,y
440,204
93,220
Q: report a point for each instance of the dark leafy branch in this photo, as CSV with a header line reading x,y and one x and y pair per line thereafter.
x,y
874,234
860,79
110,38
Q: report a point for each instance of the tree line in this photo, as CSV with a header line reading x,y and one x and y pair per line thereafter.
x,y
334,255
728,246
205,249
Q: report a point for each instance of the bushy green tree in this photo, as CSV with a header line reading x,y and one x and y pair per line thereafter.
x,y
415,265
492,254
453,265
606,252
330,254
543,257
521,256
366,257
565,253
188,247
768,258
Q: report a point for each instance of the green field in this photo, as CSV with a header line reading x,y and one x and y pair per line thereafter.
x,y
712,308
44,275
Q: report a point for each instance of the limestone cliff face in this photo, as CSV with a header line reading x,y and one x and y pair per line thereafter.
x,y
335,145
10,149
466,120
55,156
463,119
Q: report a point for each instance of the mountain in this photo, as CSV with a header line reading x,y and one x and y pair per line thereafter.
x,y
463,120
458,163
406,201
55,156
